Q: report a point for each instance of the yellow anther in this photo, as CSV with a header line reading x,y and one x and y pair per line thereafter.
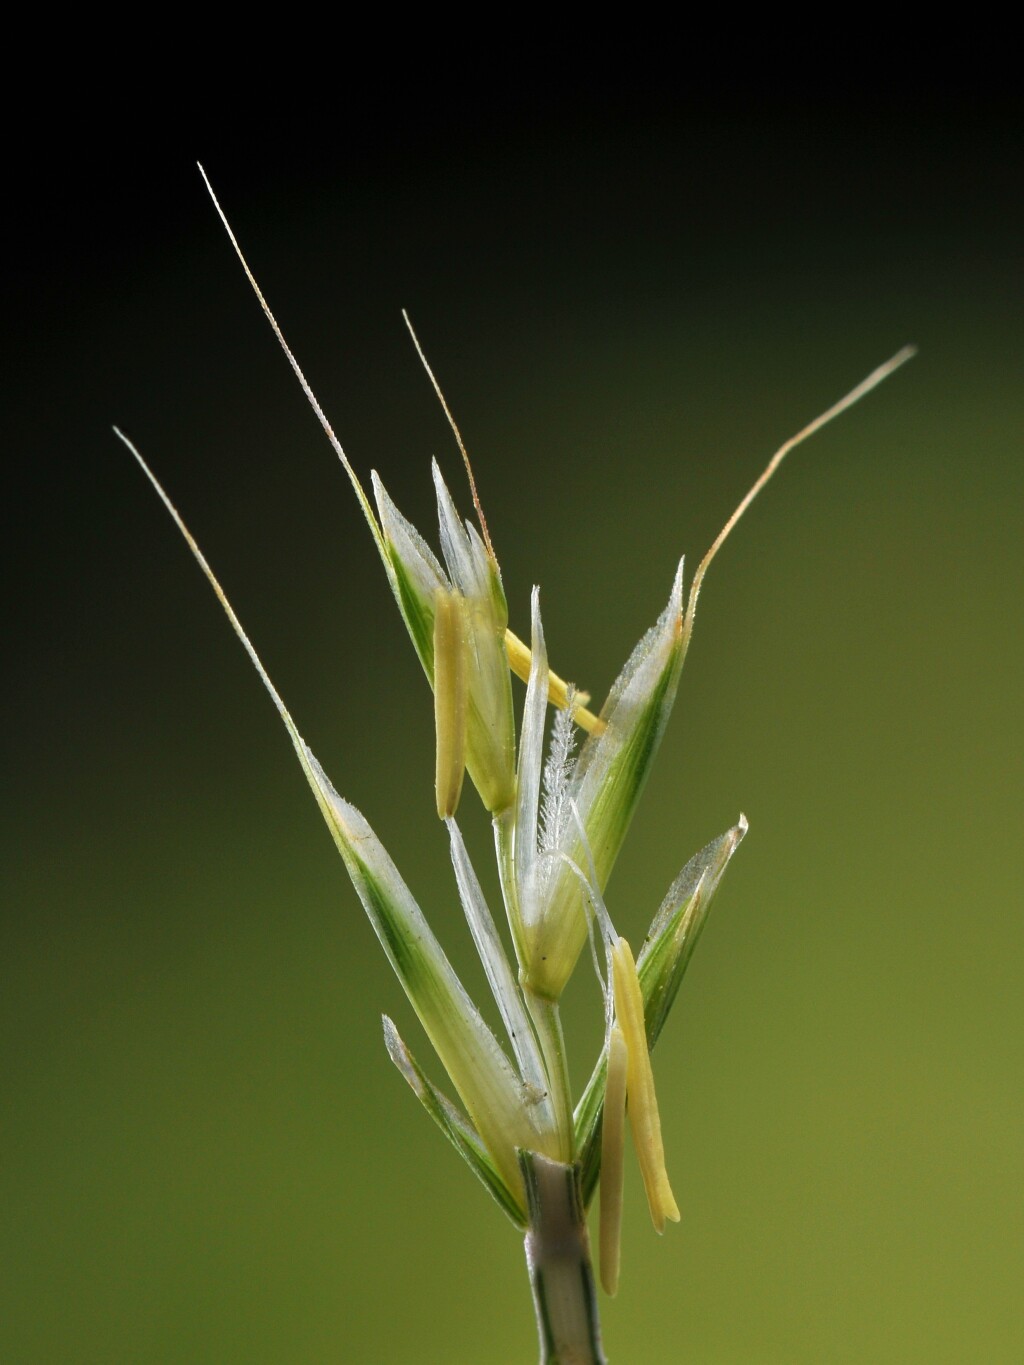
x,y
558,688
643,1104
451,704
613,1147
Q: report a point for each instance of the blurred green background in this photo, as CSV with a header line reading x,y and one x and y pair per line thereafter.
x,y
204,1153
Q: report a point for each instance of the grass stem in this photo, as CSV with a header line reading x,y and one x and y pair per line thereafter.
x,y
558,1262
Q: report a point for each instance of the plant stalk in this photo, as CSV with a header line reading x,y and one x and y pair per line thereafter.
x,y
547,1023
558,1263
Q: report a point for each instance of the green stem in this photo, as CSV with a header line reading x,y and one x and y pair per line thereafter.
x,y
547,1023
544,1014
558,1262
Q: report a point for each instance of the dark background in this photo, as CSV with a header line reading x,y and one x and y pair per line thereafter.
x,y
630,298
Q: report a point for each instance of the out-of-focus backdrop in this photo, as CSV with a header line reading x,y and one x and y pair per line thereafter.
x,y
205,1156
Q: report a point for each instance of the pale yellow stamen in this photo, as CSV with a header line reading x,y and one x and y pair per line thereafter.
x,y
613,1147
451,699
643,1104
558,690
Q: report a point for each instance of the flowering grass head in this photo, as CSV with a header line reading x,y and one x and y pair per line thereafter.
x,y
561,810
